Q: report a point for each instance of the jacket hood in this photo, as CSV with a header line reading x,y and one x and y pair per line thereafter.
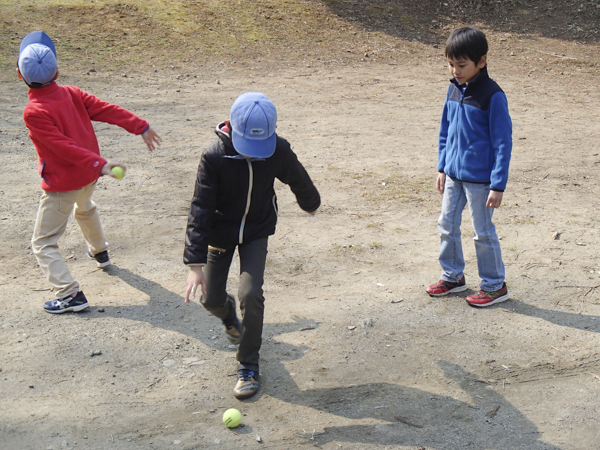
x,y
223,131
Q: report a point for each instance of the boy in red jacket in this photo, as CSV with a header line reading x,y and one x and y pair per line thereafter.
x,y
59,119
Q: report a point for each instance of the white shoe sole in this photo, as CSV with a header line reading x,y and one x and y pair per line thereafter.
x,y
498,300
69,309
451,291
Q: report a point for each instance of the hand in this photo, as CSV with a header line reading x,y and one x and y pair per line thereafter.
x,y
494,199
109,165
195,279
151,138
440,183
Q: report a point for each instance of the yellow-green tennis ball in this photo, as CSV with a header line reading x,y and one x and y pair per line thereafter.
x,y
118,172
232,418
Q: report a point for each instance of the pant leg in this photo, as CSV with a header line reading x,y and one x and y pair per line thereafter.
x,y
216,271
452,259
88,219
50,224
253,257
487,244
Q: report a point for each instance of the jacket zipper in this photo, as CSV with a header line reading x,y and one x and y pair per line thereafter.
x,y
250,184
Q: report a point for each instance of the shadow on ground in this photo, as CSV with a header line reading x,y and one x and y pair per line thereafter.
x,y
414,417
564,319
408,416
426,21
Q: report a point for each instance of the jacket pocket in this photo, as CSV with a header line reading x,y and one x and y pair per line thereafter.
x,y
274,200
42,172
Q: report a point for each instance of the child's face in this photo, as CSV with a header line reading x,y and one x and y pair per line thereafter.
x,y
465,70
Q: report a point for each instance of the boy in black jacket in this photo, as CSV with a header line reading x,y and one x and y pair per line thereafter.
x,y
235,205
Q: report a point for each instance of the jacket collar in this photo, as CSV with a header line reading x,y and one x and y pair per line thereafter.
x,y
223,131
44,90
479,79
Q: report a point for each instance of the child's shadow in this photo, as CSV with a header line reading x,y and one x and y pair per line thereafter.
x,y
165,309
413,417
406,416
565,319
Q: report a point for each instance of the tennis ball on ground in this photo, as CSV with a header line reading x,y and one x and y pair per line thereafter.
x,y
232,418
118,172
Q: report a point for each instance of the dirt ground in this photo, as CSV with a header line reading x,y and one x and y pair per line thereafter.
x,y
355,354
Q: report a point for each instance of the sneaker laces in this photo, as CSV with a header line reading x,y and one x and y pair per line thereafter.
x,y
245,374
61,302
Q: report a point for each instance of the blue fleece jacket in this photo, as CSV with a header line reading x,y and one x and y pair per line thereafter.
x,y
475,140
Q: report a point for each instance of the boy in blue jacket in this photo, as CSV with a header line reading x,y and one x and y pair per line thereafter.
x,y
475,145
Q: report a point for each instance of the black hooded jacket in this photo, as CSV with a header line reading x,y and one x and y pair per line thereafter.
x,y
234,198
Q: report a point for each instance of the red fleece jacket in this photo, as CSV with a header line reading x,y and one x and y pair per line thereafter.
x,y
59,119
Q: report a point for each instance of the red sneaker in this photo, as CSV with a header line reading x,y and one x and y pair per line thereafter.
x,y
487,298
444,287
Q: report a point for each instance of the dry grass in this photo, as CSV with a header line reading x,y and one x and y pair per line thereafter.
x,y
112,35
194,35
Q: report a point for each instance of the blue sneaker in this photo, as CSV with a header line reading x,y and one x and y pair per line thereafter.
x,y
247,383
75,302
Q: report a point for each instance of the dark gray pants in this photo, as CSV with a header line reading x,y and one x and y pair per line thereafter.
x,y
253,256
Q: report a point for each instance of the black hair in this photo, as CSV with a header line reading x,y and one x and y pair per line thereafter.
x,y
467,42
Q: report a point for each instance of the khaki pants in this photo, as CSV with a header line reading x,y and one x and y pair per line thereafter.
x,y
50,224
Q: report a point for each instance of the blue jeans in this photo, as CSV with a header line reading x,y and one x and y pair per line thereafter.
x,y
489,258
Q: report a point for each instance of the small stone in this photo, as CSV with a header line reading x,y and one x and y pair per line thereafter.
x,y
258,439
367,323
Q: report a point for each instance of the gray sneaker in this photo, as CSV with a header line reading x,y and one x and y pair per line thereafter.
x,y
247,383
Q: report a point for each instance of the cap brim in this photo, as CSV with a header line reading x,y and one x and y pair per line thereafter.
x,y
254,148
37,37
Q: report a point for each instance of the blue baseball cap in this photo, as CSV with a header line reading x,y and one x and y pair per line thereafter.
x,y
253,118
37,58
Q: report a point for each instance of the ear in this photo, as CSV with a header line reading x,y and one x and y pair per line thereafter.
x,y
482,62
19,74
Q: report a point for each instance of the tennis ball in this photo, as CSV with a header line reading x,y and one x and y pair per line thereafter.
x,y
118,172
232,418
